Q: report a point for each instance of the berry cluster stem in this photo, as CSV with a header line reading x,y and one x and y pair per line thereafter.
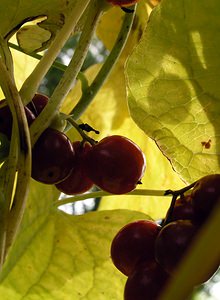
x,y
84,136
99,194
90,92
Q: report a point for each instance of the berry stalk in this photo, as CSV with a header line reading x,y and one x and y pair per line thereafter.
x,y
99,194
90,92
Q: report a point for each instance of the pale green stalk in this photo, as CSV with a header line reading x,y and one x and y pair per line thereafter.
x,y
19,158
32,83
69,77
99,194
90,92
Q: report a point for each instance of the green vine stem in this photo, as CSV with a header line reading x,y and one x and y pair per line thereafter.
x,y
89,93
69,77
19,160
203,256
32,83
175,195
6,56
136,192
99,194
8,169
56,64
84,136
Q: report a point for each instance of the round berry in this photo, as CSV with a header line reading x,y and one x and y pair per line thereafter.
x,y
6,119
183,209
134,243
38,103
172,243
52,157
77,182
122,2
146,282
115,164
205,195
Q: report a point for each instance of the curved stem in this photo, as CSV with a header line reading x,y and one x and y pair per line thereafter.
x,y
68,79
56,64
6,56
84,136
19,160
175,195
99,194
32,83
89,94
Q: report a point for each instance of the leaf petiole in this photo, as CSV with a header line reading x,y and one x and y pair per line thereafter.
x,y
99,194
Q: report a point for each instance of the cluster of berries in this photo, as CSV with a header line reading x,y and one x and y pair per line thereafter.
x,y
115,164
149,253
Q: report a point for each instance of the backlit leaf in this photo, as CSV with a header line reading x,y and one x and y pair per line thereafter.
x,y
173,82
66,257
21,11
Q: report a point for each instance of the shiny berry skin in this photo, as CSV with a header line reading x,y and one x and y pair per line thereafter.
x,y
6,119
205,195
52,157
115,164
133,244
38,103
77,182
172,243
146,282
183,209
123,3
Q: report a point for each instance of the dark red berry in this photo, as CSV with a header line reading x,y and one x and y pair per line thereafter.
x,y
205,196
122,2
29,115
115,164
77,182
52,157
133,244
183,209
146,282
172,243
38,103
6,119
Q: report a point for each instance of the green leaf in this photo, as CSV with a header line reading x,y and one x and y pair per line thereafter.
x,y
53,13
65,257
173,82
111,21
37,35
23,66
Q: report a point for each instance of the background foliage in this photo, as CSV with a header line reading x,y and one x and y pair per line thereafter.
x,y
171,79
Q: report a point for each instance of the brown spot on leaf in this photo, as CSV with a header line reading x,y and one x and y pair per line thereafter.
x,y
206,145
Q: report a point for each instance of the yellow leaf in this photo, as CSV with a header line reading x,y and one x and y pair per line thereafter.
x,y
110,24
